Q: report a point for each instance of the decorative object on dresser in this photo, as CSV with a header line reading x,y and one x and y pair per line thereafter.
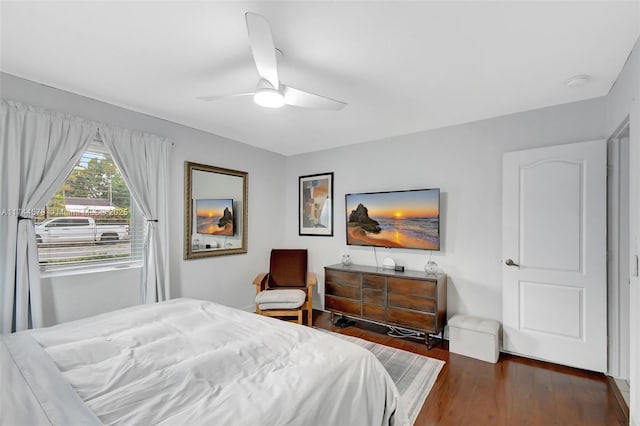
x,y
287,289
409,299
431,267
388,263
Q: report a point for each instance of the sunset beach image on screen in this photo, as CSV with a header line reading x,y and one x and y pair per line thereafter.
x,y
395,219
214,216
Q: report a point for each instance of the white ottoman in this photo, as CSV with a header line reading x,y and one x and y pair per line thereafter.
x,y
474,337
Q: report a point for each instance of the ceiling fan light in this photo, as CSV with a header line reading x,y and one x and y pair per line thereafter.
x,y
269,98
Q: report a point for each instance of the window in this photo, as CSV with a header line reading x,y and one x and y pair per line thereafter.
x,y
92,219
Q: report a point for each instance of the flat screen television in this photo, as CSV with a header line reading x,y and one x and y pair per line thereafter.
x,y
395,219
214,216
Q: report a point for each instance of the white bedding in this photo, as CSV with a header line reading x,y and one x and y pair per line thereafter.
x,y
190,362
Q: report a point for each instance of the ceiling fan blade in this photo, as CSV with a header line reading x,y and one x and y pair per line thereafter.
x,y
304,99
215,98
262,47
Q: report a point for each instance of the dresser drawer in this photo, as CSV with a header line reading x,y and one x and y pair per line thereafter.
x,y
342,278
411,287
415,303
343,291
339,304
373,281
414,319
373,312
375,297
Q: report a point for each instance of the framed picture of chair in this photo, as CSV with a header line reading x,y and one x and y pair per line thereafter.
x,y
315,199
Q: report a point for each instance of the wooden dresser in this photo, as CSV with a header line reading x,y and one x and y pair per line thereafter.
x,y
410,299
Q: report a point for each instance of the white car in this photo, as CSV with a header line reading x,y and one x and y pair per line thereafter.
x,y
78,229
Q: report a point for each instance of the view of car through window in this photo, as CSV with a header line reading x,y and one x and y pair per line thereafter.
x,y
91,219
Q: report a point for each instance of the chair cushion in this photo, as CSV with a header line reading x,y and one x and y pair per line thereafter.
x,y
292,298
284,305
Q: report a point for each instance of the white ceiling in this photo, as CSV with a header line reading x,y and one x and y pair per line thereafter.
x,y
402,67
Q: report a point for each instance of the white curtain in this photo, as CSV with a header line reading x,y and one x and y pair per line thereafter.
x,y
143,161
38,149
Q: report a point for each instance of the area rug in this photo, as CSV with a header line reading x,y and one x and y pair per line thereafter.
x,y
413,374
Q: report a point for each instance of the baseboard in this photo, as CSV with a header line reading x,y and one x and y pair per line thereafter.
x,y
619,398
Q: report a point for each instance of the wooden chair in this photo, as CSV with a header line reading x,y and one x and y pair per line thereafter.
x,y
287,289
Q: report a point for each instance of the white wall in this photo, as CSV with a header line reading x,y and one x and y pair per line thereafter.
x,y
624,101
225,279
81,295
465,162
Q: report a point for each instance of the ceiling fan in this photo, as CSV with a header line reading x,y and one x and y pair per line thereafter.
x,y
269,91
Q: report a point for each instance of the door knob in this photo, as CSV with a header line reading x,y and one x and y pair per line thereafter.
x,y
510,262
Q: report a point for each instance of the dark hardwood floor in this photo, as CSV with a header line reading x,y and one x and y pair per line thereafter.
x,y
515,391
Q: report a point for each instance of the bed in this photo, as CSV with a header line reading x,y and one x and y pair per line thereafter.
x,y
191,362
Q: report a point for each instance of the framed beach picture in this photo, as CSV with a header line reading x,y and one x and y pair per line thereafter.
x,y
315,200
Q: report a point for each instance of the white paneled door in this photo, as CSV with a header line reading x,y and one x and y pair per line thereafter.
x,y
554,296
